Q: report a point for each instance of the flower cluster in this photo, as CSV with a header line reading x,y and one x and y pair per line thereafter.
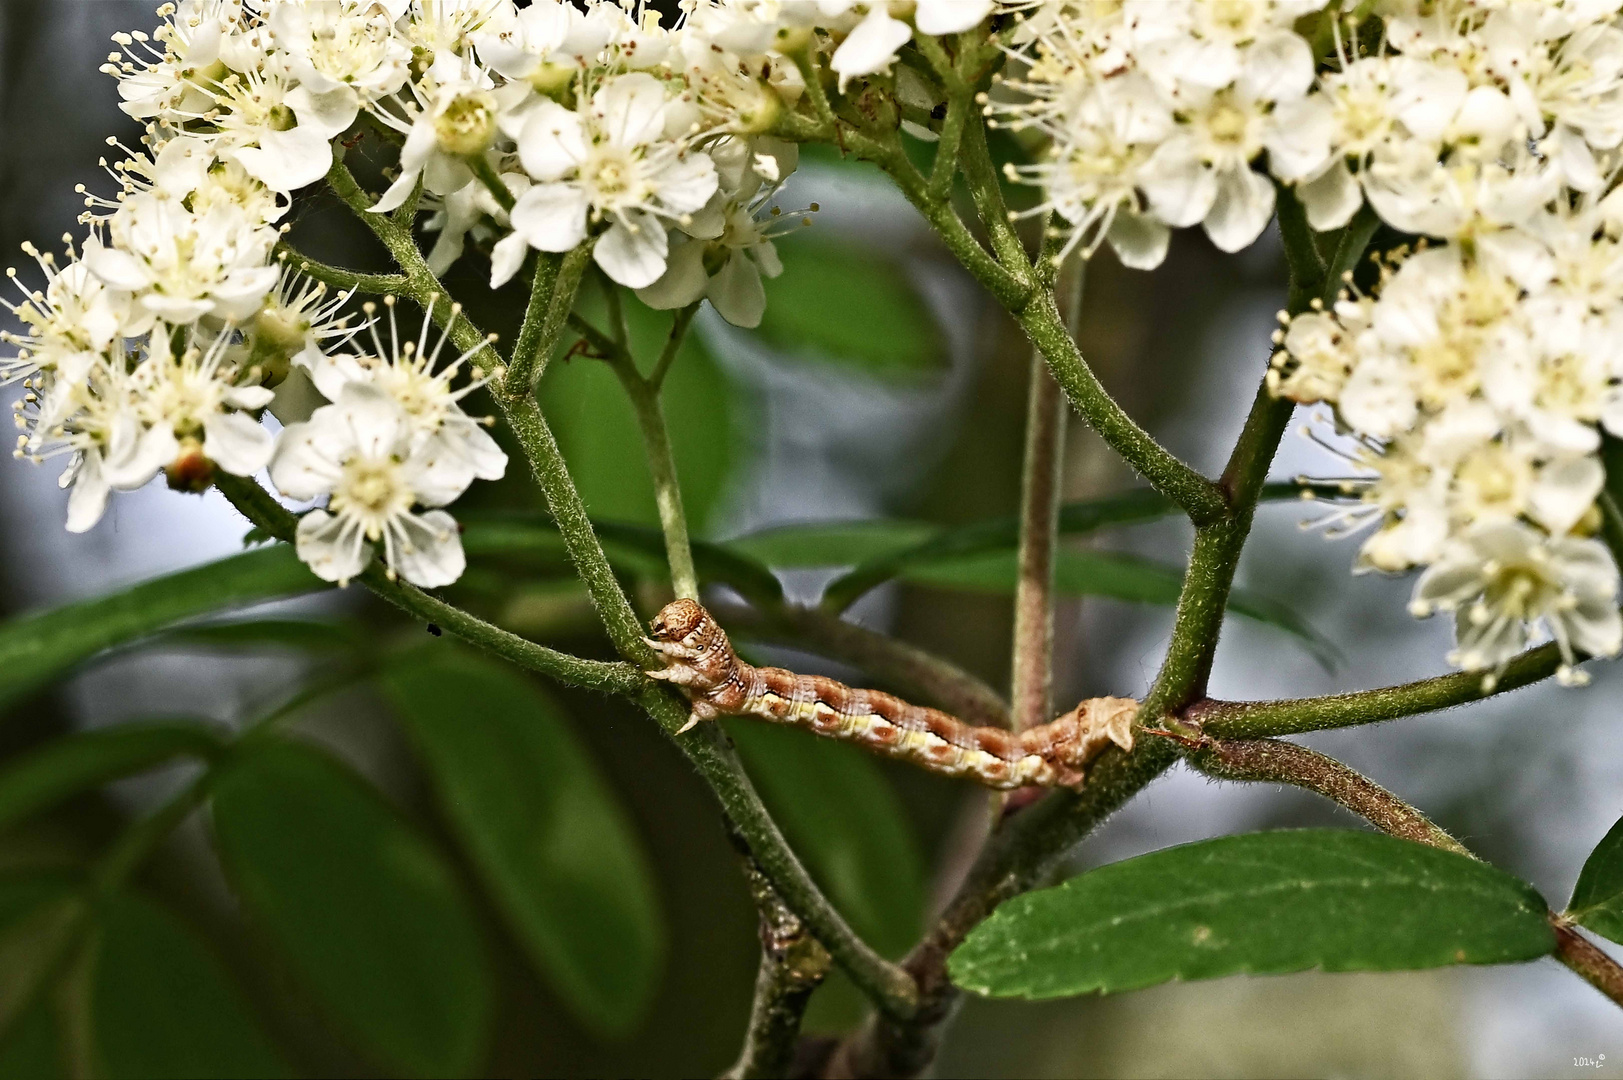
x,y
1479,373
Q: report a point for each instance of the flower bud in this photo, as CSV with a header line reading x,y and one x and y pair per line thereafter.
x,y
191,470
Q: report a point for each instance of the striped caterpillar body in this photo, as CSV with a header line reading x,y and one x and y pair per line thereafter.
x,y
700,660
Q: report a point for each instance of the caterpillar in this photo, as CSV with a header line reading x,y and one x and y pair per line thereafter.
x,y
699,659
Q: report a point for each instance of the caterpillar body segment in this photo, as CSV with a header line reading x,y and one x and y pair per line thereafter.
x,y
700,660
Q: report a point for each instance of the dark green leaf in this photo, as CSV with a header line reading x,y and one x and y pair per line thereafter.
x,y
1115,575
1003,534
832,543
41,918
1597,899
161,1004
639,549
29,1050
67,766
38,648
1262,903
548,836
318,636
840,814
850,304
367,912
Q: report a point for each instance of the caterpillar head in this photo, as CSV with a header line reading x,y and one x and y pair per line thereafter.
x,y
697,653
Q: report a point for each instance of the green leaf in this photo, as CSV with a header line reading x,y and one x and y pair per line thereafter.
x,y
1003,534
1262,903
319,636
41,918
38,648
162,1005
832,543
598,434
839,813
1118,576
638,549
850,304
64,767
368,913
1597,899
30,1048
548,836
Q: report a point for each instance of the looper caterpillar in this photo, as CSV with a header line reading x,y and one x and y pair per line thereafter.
x,y
701,661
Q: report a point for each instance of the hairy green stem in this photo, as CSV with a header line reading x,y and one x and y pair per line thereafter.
x,y
544,322
656,441
1032,663
793,965
492,180
673,345
339,278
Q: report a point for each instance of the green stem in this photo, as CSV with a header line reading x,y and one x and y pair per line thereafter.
x,y
1031,684
544,323
347,280
492,180
1260,719
673,345
656,440
257,505
987,192
1192,492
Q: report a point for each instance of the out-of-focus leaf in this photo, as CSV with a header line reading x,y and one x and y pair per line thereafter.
x,y
1115,575
29,1050
161,1005
548,836
1262,903
41,918
636,548
849,304
321,637
840,814
1597,899
367,912
38,648
597,430
1003,534
832,543
67,766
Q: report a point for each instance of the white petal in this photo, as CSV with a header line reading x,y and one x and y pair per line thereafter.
x,y
1331,198
633,255
1278,67
327,113
437,472
737,293
871,47
1298,139
633,109
88,500
286,161
506,258
428,550
305,464
332,551
1180,186
687,184
937,17
117,269
1244,203
1139,241
551,217
551,144
237,444
373,421
683,281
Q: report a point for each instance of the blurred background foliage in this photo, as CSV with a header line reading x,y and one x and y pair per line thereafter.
x,y
427,864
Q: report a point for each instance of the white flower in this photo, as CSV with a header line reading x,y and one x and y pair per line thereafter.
x,y
360,453
1504,581
871,47
452,121
610,162
410,372
181,266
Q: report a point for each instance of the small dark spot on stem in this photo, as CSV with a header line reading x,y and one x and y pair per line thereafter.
x,y
434,629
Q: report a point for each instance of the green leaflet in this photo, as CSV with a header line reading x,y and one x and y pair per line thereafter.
x,y
832,543
41,919
160,1004
1261,903
66,766
1597,899
546,833
839,814
38,648
369,915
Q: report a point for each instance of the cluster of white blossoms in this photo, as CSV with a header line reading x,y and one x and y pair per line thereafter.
x,y
162,340
1478,375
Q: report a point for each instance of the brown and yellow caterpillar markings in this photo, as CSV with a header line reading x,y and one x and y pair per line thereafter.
x,y
700,660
